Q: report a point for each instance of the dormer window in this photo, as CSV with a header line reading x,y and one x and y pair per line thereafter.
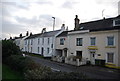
x,y
116,22
82,27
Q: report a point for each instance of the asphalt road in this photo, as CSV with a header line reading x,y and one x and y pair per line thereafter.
x,y
94,72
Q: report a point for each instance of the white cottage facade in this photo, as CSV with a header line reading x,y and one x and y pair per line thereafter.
x,y
43,43
96,42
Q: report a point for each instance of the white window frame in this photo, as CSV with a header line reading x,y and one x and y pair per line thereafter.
x,y
78,42
113,57
62,41
48,41
38,41
31,41
43,41
91,41
115,21
48,50
107,41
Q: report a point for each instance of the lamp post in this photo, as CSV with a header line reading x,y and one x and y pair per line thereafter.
x,y
53,36
53,23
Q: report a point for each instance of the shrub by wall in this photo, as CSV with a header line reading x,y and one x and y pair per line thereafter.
x,y
20,63
45,73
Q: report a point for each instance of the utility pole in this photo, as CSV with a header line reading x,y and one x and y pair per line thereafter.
x,y
103,13
53,23
53,36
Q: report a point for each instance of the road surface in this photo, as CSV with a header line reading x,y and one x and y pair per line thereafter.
x,y
94,72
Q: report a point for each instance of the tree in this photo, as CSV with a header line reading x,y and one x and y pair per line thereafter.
x,y
9,48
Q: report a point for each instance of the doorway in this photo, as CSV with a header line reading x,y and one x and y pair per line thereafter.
x,y
42,51
92,58
65,53
79,53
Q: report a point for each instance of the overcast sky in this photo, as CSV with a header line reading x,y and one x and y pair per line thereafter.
x,y
19,16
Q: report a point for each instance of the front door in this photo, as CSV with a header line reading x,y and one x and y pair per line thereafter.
x,y
65,53
42,50
92,58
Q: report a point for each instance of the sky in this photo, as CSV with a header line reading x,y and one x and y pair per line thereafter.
x,y
20,16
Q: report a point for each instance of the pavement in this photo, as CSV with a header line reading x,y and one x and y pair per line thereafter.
x,y
94,72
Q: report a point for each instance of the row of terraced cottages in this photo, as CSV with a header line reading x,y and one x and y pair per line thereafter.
x,y
95,42
42,43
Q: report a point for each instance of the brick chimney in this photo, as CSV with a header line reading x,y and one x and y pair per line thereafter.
x,y
63,27
27,33
30,33
76,23
43,30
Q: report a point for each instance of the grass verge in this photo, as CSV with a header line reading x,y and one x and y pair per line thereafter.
x,y
8,73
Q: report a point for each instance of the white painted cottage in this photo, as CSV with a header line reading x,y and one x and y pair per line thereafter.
x,y
19,41
42,43
96,42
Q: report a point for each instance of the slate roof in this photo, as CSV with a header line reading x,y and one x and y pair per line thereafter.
x,y
18,37
46,34
63,34
34,35
50,33
99,25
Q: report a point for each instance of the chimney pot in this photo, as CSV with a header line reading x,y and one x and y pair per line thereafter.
x,y
76,22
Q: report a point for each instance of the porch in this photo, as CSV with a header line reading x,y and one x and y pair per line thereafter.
x,y
75,60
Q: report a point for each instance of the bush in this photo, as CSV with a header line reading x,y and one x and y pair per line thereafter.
x,y
20,63
41,72
65,75
46,73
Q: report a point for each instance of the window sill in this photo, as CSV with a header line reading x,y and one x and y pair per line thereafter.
x,y
79,45
92,47
61,44
110,46
110,65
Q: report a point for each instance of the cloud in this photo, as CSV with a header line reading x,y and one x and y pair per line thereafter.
x,y
47,21
68,4
8,27
24,20
107,3
44,2
21,15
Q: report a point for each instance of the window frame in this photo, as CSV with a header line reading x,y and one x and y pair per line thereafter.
x,y
114,22
48,50
48,41
108,41
25,42
31,41
42,41
79,41
91,41
62,41
38,41
113,58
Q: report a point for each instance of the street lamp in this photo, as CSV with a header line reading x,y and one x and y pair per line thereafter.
x,y
53,30
53,23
